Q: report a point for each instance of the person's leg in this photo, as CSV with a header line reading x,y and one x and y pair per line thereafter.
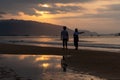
x,y
66,43
64,69
77,45
63,43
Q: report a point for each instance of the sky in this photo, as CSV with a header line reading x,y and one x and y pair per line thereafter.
x,y
101,16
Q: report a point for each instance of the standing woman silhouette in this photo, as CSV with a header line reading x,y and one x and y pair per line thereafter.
x,y
76,38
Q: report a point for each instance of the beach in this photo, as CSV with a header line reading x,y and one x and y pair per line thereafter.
x,y
99,63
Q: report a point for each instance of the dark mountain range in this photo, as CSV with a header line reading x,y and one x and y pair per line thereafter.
x,y
14,27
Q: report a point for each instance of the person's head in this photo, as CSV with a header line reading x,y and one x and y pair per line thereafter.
x,y
76,30
64,27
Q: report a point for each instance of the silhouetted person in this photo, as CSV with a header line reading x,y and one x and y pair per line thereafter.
x,y
64,37
64,64
76,38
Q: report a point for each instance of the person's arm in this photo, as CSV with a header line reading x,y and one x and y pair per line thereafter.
x,y
81,32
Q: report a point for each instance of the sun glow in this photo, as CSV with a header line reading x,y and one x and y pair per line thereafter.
x,y
42,12
45,65
44,5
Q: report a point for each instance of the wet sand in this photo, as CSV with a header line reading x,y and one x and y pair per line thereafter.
x,y
99,63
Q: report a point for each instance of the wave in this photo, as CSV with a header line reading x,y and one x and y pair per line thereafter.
x,y
55,42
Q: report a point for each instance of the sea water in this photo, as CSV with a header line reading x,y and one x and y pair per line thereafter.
x,y
111,44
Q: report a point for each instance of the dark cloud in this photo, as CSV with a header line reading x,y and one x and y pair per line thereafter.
x,y
114,7
1,14
111,12
114,15
103,15
26,6
13,6
54,9
110,8
64,1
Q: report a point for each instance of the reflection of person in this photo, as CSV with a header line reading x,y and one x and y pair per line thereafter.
x,y
76,38
64,64
64,37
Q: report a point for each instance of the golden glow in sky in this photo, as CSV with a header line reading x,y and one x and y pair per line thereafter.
x,y
99,15
45,5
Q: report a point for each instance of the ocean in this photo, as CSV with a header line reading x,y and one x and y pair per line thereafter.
x,y
48,67
110,44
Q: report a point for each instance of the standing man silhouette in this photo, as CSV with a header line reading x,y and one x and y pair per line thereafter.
x,y
64,37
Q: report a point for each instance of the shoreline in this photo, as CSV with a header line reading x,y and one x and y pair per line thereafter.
x,y
100,63
33,49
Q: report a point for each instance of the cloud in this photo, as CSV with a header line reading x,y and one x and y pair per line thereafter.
x,y
114,7
65,1
106,15
1,14
103,15
110,11
26,6
55,9
16,6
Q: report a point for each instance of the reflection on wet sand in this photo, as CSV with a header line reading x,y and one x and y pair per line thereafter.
x,y
45,65
42,58
64,64
37,67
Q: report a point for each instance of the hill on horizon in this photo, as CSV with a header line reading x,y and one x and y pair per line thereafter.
x,y
14,27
